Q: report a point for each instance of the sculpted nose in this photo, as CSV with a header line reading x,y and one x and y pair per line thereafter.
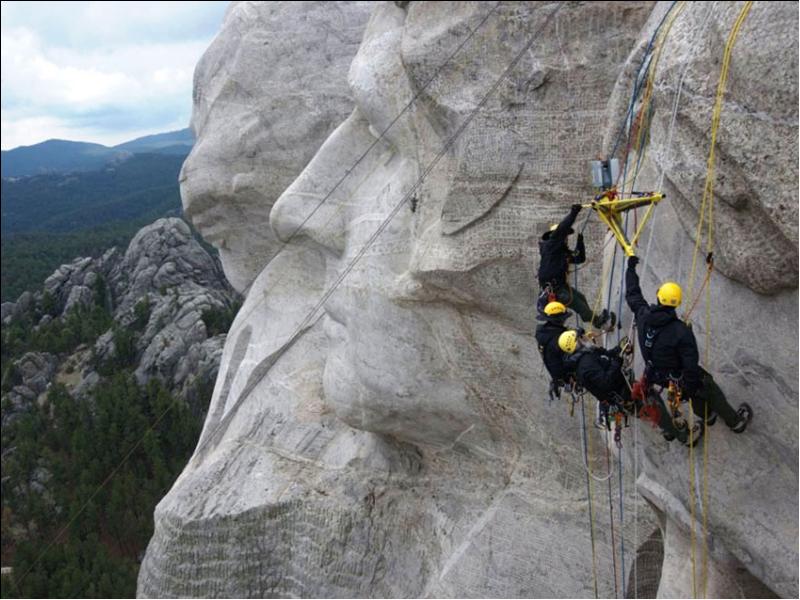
x,y
315,204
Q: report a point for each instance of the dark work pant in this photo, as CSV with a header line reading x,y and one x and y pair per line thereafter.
x,y
712,396
576,301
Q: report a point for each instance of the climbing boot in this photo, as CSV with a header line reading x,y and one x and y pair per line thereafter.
x,y
694,436
690,438
668,435
711,418
605,320
745,415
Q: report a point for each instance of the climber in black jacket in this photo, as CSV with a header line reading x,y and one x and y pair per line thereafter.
x,y
554,316
555,257
670,351
599,372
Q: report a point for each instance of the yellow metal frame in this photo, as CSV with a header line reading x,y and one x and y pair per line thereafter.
x,y
610,208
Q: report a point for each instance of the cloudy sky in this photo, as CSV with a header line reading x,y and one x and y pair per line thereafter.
x,y
102,72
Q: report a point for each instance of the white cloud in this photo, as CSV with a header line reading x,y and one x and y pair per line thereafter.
x,y
139,82
27,131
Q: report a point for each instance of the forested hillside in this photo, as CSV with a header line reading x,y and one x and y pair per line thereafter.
x,y
49,219
107,371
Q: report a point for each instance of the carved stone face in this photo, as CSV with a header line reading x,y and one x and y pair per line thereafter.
x,y
427,336
267,92
441,302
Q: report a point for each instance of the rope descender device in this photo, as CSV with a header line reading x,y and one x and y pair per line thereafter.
x,y
674,398
609,206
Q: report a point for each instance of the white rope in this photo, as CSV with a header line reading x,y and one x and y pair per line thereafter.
x,y
584,444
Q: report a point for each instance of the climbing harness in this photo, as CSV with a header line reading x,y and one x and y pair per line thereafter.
x,y
674,397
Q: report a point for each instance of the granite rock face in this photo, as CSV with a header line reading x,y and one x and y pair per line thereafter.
x,y
33,371
753,291
168,270
160,289
392,437
275,75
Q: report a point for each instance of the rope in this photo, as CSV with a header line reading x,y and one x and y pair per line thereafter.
x,y
692,500
375,142
586,460
707,202
704,577
621,522
585,444
707,206
637,83
635,507
639,148
611,521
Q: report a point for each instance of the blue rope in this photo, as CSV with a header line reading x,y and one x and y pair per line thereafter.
x,y
638,82
588,489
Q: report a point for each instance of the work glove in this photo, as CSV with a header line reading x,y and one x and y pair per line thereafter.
x,y
632,262
576,208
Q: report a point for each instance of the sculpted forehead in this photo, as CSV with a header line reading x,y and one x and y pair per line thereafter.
x,y
268,92
524,157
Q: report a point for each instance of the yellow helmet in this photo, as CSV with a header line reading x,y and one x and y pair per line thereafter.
x,y
669,294
568,341
554,308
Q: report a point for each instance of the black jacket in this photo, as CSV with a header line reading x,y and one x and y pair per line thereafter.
x,y
547,337
667,344
554,254
599,372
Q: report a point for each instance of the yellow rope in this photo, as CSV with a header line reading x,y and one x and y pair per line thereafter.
x,y
707,202
707,206
651,72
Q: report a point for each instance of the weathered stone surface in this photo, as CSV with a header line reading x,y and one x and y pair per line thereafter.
x,y
33,373
166,268
7,310
275,75
73,284
395,440
80,295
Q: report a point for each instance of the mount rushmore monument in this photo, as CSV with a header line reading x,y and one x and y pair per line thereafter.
x,y
376,177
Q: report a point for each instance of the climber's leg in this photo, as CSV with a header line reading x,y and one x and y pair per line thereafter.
x,y
575,301
712,396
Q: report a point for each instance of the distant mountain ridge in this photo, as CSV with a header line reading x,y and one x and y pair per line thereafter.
x,y
65,156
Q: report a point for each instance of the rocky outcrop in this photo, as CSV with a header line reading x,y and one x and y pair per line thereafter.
x,y
31,375
174,281
378,425
75,284
160,290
